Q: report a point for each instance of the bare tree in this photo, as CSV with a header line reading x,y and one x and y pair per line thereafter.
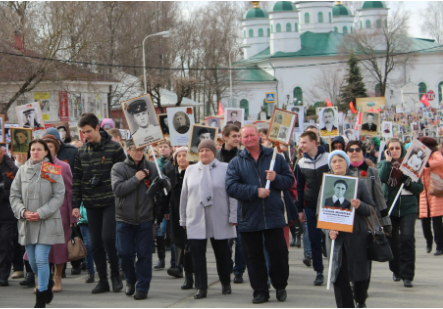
x,y
328,85
433,22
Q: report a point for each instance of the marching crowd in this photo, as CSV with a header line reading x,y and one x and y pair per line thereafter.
x,y
125,206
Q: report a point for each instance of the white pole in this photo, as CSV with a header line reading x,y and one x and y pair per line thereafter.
x,y
158,168
144,65
396,198
230,78
271,167
331,256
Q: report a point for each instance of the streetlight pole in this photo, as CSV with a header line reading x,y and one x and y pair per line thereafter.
x,y
164,34
230,72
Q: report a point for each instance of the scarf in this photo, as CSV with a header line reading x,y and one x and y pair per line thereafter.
x,y
395,174
357,164
205,188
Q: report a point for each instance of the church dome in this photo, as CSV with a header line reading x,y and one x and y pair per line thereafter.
x,y
373,5
256,13
340,10
283,6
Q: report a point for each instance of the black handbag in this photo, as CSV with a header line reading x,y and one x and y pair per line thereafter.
x,y
378,246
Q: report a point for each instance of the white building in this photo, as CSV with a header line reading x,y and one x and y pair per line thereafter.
x,y
291,47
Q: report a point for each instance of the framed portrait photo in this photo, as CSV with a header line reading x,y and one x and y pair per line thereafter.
x,y
199,133
386,127
335,210
235,116
351,134
20,139
180,120
75,133
370,124
213,122
65,132
299,122
260,124
328,122
281,126
415,160
164,125
142,121
30,116
406,139
2,129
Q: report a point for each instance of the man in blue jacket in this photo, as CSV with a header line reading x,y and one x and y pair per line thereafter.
x,y
261,212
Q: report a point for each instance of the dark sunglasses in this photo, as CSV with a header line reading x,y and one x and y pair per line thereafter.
x,y
351,150
394,148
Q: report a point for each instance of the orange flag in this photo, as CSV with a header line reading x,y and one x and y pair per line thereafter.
x,y
328,103
220,109
351,106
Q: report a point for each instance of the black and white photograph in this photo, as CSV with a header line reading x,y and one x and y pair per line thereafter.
x,y
387,129
395,129
20,139
283,133
328,117
2,129
30,116
8,127
199,133
163,120
235,116
74,132
261,124
281,126
370,123
299,122
406,139
180,120
415,160
213,122
142,121
65,132
351,134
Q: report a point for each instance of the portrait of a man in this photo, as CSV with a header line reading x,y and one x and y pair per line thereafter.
x,y
296,110
202,134
20,139
350,134
233,119
234,116
163,120
338,199
31,120
282,134
387,128
181,123
214,122
328,122
370,124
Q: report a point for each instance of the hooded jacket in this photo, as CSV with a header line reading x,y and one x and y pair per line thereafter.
x,y
67,152
8,171
95,160
338,139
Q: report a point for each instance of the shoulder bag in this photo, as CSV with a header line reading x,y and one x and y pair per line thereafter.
x,y
76,248
378,246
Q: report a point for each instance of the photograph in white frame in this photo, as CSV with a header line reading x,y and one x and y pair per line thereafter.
x,y
386,127
30,116
180,120
299,122
235,116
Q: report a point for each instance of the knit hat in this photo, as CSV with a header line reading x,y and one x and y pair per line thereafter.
x,y
429,142
376,141
50,138
54,132
341,153
208,143
181,149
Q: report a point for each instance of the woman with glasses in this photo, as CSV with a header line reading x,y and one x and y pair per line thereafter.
x,y
404,212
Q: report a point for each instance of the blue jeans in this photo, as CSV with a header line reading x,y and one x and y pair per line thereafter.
x,y
84,228
315,236
306,243
239,257
142,235
161,232
38,259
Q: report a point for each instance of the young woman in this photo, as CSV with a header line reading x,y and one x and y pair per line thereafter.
x,y
36,198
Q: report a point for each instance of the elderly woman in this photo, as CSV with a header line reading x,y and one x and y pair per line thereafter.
x,y
206,211
404,213
36,197
350,262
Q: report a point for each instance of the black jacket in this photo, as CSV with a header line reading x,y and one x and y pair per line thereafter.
x,y
338,139
223,154
67,153
8,171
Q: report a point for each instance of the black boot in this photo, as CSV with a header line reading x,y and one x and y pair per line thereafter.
x,y
40,299
189,282
160,252
50,294
297,240
29,280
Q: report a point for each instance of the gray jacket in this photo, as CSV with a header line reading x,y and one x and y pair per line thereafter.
x,y
29,191
132,204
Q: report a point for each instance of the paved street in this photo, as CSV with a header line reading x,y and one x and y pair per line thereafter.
x,y
165,291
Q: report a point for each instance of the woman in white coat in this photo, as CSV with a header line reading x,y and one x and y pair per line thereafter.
x,y
206,211
36,197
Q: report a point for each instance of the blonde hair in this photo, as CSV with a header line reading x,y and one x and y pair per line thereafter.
x,y
249,125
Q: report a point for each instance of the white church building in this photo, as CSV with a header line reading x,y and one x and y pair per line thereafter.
x,y
289,49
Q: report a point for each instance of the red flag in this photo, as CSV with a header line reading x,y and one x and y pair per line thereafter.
x,y
424,100
351,106
359,120
328,103
220,109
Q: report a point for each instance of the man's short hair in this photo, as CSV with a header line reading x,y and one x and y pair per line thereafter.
x,y
114,133
329,110
164,142
311,126
229,128
234,112
249,125
341,181
312,136
88,119
203,131
370,114
263,130
295,109
178,114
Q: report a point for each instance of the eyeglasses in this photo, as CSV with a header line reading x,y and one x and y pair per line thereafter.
x,y
394,148
351,150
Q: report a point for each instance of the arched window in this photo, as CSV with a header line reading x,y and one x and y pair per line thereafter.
x,y
378,23
352,30
440,92
298,95
296,27
345,30
368,24
330,18
288,27
245,104
278,28
260,32
320,17
251,33
378,90
269,32
335,29
422,89
307,18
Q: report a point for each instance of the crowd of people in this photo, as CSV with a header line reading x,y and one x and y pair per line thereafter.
x,y
127,207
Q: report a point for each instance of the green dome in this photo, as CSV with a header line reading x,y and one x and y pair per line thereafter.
x,y
256,13
340,10
373,5
283,6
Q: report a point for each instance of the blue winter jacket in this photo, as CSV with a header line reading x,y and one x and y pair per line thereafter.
x,y
243,178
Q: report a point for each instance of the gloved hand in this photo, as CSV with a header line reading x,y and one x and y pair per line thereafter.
x,y
388,230
406,180
157,186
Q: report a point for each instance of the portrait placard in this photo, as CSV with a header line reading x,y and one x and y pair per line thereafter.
x,y
299,121
371,104
386,127
406,139
259,124
235,116
65,132
395,129
163,121
199,133
351,134
20,139
328,121
142,121
8,127
370,124
2,129
38,134
180,120
415,160
213,122
30,116
281,126
335,211
75,133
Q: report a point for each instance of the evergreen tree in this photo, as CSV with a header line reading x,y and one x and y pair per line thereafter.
x,y
354,86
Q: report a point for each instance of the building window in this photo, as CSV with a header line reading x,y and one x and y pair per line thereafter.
x,y
422,89
330,18
378,23
335,29
269,32
352,30
260,32
251,33
440,92
307,18
298,95
245,104
288,27
278,28
320,17
296,27
378,90
368,24
345,30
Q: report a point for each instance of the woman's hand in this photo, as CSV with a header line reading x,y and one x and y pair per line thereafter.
x,y
76,213
333,234
387,156
355,203
233,224
33,216
26,214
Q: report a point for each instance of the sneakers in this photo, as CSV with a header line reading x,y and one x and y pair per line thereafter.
x,y
407,283
101,287
226,289
395,277
307,261
90,278
438,252
17,275
319,279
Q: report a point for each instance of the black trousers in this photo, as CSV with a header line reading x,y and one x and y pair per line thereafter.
x,y
222,259
102,227
17,256
344,295
183,256
403,246
438,231
7,231
275,243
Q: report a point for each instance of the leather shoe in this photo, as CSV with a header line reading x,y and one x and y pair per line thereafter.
x,y
438,252
360,305
292,244
395,277
129,289
76,271
407,283
238,279
319,279
4,283
260,298
307,261
298,240
90,278
175,272
281,294
201,293
140,295
101,287
428,249
117,284
226,289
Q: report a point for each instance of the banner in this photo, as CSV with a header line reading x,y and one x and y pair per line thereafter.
x,y
63,106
